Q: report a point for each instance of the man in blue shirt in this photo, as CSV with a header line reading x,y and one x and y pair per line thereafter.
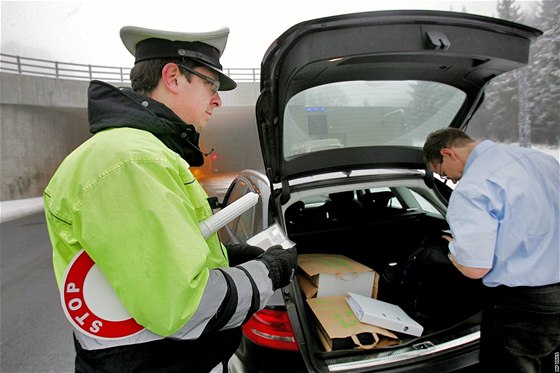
x,y
504,218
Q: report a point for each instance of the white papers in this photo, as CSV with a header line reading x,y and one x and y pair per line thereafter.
x,y
383,314
273,235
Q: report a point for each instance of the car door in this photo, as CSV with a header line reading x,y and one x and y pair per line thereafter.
x,y
253,220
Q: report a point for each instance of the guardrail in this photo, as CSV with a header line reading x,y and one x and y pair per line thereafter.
x,y
67,70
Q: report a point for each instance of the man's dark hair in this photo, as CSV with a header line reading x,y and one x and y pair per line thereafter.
x,y
145,75
444,138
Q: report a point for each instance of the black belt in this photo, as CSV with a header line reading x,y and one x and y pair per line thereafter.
x,y
507,290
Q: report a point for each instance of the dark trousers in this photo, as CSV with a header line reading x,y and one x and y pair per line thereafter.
x,y
520,328
161,356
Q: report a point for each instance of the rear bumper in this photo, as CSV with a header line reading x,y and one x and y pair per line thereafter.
x,y
252,358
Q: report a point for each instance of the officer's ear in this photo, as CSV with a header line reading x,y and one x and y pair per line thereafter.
x,y
170,75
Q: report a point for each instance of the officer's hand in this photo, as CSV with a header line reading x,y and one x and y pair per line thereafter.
x,y
281,264
242,252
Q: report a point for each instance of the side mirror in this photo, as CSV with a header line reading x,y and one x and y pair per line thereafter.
x,y
214,203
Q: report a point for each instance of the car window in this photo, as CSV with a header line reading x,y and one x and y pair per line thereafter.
x,y
315,201
425,205
241,227
362,113
411,200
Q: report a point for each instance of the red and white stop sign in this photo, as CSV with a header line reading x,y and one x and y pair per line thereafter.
x,y
91,304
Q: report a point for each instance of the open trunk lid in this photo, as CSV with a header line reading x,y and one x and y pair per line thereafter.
x,y
363,90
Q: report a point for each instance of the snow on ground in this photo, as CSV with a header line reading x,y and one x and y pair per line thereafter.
x,y
553,151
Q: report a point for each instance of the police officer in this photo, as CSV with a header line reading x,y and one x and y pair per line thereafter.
x,y
126,199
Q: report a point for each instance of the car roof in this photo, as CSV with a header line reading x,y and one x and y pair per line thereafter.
x,y
458,50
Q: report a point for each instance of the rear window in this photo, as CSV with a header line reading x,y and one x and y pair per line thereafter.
x,y
363,113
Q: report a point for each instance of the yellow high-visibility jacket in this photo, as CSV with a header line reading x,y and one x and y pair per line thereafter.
x,y
128,198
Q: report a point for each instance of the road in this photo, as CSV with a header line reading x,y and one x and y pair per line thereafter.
x,y
34,334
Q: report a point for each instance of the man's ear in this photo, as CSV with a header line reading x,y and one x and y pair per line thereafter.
x,y
447,152
170,74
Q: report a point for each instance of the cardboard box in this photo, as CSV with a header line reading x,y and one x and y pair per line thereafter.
x,y
383,314
306,286
338,328
323,275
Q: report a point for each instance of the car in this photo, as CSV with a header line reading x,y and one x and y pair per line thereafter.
x,y
345,106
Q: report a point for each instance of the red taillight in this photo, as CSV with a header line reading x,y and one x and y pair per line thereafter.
x,y
272,329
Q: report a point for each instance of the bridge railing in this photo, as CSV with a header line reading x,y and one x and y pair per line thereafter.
x,y
67,70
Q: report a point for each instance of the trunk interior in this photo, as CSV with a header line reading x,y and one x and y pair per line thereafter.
x,y
403,244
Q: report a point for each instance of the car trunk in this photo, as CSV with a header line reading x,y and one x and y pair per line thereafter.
x,y
404,246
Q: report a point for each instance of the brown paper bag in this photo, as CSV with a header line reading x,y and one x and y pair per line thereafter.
x,y
338,328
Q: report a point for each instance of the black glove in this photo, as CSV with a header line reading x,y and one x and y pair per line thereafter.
x,y
242,252
281,264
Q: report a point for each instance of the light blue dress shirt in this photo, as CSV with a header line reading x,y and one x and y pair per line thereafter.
x,y
504,215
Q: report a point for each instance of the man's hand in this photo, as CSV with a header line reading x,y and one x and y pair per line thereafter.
x,y
281,264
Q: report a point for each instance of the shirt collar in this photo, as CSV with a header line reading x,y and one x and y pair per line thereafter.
x,y
478,150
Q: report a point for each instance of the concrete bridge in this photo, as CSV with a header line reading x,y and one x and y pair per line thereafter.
x,y
43,119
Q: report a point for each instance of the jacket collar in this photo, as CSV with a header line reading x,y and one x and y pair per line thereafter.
x,y
111,107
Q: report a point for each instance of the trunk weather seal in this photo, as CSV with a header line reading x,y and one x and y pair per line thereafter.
x,y
413,353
